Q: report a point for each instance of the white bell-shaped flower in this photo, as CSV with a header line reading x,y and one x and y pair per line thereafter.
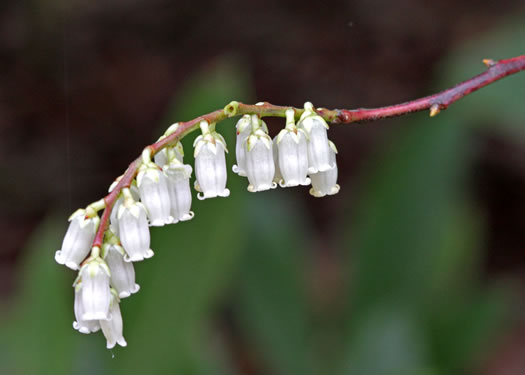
x,y
122,273
94,277
243,127
293,153
113,218
210,164
260,166
81,325
325,183
78,239
318,148
133,229
178,177
113,327
153,188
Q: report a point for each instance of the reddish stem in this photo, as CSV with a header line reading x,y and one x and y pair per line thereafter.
x,y
440,101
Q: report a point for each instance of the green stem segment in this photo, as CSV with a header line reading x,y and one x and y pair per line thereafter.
x,y
435,103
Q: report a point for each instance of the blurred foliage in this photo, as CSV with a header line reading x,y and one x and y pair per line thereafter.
x,y
412,302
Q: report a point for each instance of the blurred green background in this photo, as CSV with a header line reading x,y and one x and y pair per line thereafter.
x,y
393,276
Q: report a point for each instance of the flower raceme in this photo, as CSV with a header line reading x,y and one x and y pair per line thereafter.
x,y
160,194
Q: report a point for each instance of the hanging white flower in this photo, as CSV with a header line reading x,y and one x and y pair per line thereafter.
x,y
113,218
153,188
260,166
178,176
122,273
81,325
318,148
243,127
78,239
210,164
94,278
113,327
325,183
133,228
293,153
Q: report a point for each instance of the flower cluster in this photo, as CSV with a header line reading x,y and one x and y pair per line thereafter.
x,y
299,155
160,194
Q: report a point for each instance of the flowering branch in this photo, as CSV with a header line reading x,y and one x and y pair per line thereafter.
x,y
435,103
301,154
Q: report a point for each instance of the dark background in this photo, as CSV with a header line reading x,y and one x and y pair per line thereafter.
x,y
84,86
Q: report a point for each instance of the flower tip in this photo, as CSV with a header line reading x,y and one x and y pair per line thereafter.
x,y
157,223
124,294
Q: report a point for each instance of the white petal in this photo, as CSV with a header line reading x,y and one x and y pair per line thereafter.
x,y
122,273
260,166
293,159
113,327
210,170
134,232
240,153
95,291
325,183
155,197
81,325
77,241
180,193
318,150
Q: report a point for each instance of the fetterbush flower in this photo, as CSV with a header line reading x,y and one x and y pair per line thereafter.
x,y
113,218
133,228
94,289
113,327
81,325
318,148
210,164
293,153
260,166
77,241
325,183
153,188
122,273
243,127
178,177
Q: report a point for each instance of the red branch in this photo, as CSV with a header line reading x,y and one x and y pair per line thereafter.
x,y
440,101
496,70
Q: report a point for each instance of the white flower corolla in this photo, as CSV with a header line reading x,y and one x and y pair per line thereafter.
x,y
133,229
78,239
243,127
277,177
178,177
210,164
325,183
260,166
81,325
113,219
113,327
162,158
293,153
122,273
94,277
318,148
153,188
